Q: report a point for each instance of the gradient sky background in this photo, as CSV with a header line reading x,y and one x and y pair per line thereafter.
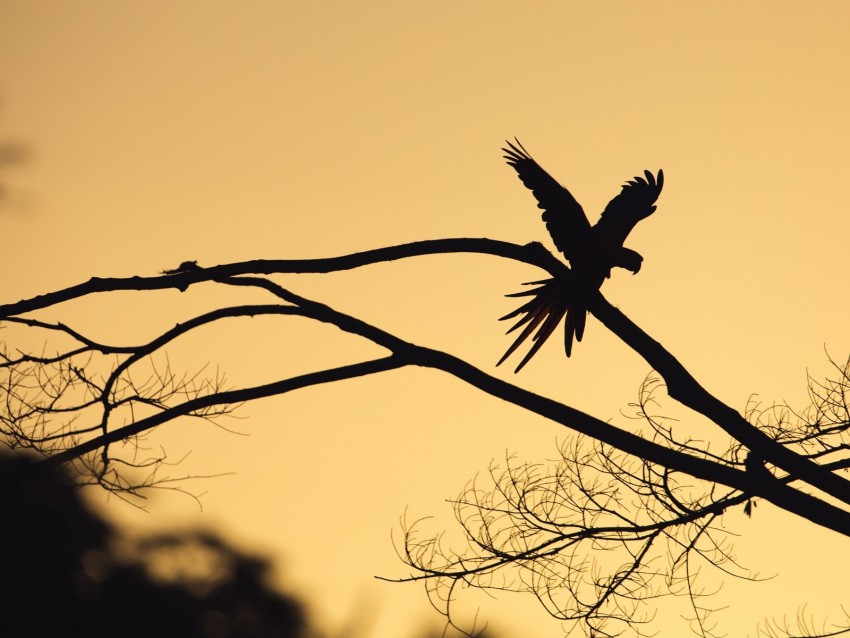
x,y
164,131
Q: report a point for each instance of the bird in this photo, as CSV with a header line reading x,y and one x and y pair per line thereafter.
x,y
592,251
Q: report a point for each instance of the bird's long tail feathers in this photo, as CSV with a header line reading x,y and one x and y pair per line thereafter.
x,y
543,312
574,326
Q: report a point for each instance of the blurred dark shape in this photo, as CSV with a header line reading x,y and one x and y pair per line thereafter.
x,y
64,572
13,153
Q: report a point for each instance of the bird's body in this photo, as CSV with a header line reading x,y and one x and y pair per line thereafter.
x,y
591,250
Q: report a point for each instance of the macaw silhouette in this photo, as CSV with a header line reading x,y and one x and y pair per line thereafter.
x,y
591,250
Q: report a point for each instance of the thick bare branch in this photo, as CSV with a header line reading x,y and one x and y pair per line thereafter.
x,y
683,386
533,254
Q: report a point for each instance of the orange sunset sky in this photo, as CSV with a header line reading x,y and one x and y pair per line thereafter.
x,y
158,132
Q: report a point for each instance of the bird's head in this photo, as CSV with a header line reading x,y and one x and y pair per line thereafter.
x,y
628,259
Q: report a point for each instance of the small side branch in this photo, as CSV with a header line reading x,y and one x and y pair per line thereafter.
x,y
227,398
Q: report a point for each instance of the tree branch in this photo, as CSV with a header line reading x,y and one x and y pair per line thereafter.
x,y
681,385
225,398
533,254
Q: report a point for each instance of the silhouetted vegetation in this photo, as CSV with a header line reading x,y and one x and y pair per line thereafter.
x,y
67,572
585,536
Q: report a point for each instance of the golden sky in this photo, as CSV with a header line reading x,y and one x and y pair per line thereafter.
x,y
164,131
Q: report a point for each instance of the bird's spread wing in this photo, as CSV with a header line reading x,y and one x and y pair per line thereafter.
x,y
635,202
563,215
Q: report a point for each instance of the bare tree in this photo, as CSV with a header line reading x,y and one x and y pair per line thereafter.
x,y
621,519
598,533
